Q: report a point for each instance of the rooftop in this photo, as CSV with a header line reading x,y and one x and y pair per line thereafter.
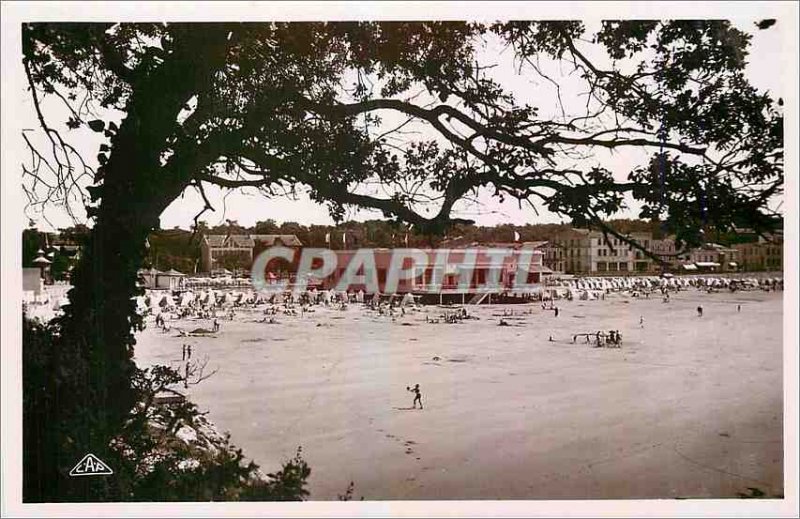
x,y
249,240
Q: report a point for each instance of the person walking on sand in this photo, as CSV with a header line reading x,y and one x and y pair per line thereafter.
x,y
417,396
738,308
556,311
699,311
641,321
189,351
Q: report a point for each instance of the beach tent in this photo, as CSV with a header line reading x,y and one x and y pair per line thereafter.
x,y
209,298
187,298
58,303
408,299
141,306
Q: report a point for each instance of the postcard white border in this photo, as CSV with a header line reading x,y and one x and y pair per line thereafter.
x,y
13,222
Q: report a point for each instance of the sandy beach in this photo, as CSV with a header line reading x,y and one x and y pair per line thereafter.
x,y
688,407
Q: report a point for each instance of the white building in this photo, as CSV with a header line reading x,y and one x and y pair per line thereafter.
x,y
236,251
579,251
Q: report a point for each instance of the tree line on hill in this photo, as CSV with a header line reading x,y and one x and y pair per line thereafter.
x,y
179,249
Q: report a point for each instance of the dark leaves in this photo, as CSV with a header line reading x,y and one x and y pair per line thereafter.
x,y
97,125
766,24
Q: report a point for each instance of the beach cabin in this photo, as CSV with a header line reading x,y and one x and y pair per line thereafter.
x,y
148,277
43,265
170,280
32,283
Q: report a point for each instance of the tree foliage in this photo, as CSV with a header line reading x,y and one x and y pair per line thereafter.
x,y
262,99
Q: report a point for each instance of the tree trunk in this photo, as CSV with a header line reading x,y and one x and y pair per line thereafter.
x,y
96,330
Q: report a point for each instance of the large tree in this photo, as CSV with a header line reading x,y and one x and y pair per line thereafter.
x,y
277,106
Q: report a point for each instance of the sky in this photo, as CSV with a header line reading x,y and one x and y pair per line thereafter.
x,y
248,207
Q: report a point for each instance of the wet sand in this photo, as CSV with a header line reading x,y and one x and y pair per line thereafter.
x,y
688,407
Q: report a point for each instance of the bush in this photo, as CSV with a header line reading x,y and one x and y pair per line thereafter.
x,y
161,453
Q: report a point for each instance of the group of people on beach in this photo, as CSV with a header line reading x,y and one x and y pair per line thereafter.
x,y
392,307
449,317
551,306
612,339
